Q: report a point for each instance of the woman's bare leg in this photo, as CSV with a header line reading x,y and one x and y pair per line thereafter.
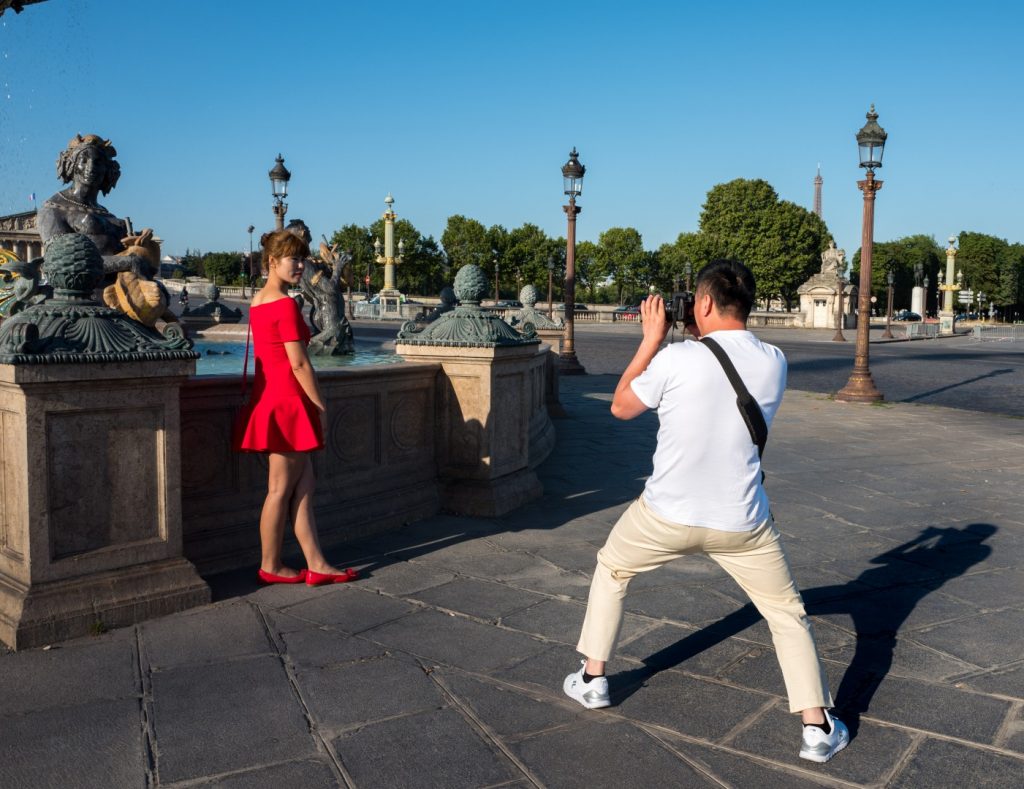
x,y
304,520
285,473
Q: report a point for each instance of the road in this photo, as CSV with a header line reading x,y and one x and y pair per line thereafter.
x,y
959,372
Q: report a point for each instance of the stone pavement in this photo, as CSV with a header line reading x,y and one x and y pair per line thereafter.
x,y
442,667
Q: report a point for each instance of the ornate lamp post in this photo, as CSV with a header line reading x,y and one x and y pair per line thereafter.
x,y
551,281
279,178
572,176
947,284
841,272
390,297
497,282
688,270
926,283
889,277
252,263
871,142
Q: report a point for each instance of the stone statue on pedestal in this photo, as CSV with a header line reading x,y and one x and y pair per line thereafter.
x,y
321,287
832,259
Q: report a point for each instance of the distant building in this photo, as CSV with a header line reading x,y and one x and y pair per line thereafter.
x,y
20,235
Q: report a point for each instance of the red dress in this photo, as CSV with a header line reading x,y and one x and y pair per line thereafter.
x,y
281,417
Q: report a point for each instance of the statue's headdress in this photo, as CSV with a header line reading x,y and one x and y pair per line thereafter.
x,y
78,144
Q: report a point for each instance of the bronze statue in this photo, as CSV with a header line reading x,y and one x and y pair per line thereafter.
x,y
130,260
321,287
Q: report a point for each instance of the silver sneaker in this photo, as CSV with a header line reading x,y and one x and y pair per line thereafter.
x,y
592,695
820,747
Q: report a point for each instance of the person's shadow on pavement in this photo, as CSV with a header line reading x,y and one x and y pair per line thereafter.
x,y
879,601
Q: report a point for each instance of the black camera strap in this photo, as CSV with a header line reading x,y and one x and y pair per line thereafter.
x,y
751,412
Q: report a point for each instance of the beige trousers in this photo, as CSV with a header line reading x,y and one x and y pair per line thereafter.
x,y
642,541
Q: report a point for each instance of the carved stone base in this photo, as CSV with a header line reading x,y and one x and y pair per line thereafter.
x,y
32,616
90,498
491,498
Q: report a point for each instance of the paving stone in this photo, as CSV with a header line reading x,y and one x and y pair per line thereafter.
x,y
96,744
552,581
73,673
732,769
218,717
506,710
1006,681
871,755
682,703
692,605
217,632
902,658
350,609
759,670
943,763
305,772
996,589
604,753
322,647
344,695
692,650
486,600
430,749
937,708
547,670
562,621
455,641
401,578
987,640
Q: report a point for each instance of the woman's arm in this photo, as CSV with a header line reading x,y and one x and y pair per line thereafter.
x,y
304,372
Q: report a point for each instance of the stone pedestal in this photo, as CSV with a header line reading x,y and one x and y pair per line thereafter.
x,y
390,304
917,301
90,498
492,425
553,339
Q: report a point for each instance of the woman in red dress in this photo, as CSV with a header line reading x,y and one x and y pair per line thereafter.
x,y
285,416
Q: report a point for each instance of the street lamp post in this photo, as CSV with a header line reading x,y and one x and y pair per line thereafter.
x,y
871,143
688,270
927,282
572,176
948,284
497,282
390,296
279,178
252,263
889,277
551,282
839,336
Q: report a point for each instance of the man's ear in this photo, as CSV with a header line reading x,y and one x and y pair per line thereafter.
x,y
705,304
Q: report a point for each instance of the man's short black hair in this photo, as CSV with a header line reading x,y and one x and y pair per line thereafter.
x,y
730,285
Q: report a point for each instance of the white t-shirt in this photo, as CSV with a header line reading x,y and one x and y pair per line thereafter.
x,y
706,469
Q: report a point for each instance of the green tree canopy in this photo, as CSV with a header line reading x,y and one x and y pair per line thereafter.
x,y
621,256
223,268
465,241
779,241
902,256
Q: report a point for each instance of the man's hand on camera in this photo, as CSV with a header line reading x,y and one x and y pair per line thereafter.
x,y
654,319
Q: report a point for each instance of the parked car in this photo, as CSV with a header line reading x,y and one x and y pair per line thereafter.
x,y
509,304
576,308
629,312
906,315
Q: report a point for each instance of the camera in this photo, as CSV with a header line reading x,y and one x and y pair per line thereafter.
x,y
680,309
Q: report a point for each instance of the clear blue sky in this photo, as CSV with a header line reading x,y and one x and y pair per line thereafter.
x,y
472,107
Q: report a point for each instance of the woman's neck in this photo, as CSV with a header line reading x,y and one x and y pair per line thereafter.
x,y
83,193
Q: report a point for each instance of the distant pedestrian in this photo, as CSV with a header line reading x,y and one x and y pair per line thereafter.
x,y
705,495
285,417
183,298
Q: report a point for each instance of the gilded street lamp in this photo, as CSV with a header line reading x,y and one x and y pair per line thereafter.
x,y
948,284
279,178
390,297
871,143
572,176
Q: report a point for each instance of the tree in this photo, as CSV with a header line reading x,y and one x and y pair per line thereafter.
x,y
779,241
465,241
622,256
223,268
903,255
357,241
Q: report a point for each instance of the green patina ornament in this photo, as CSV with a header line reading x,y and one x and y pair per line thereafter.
x,y
71,327
468,325
529,313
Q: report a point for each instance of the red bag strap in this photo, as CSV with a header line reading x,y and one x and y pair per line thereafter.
x,y
245,365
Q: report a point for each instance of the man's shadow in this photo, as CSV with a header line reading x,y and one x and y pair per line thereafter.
x,y
879,601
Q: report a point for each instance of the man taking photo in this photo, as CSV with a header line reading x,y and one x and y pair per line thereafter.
x,y
705,495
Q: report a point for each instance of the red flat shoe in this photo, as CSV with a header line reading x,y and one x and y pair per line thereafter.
x,y
319,579
270,578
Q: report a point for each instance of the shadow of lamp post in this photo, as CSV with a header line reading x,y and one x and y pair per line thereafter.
x,y
871,143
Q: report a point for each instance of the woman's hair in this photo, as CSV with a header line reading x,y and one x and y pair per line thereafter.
x,y
730,285
282,244
66,160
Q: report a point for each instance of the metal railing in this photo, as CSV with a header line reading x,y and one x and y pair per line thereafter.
x,y
999,332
